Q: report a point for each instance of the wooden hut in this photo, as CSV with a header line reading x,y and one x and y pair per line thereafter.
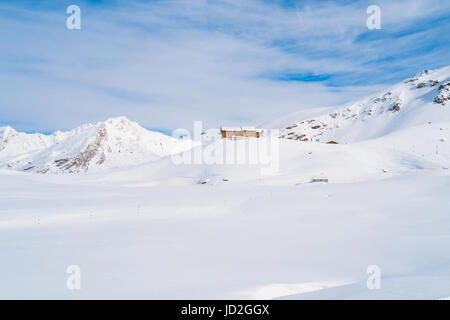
x,y
241,132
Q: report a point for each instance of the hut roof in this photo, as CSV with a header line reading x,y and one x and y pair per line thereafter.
x,y
242,128
230,128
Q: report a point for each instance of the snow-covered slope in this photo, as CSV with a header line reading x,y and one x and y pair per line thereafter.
x,y
416,101
113,143
13,143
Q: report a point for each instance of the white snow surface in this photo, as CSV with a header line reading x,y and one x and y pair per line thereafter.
x,y
148,228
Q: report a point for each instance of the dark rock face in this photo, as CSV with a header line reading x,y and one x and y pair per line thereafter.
x,y
430,83
443,93
82,160
396,107
421,85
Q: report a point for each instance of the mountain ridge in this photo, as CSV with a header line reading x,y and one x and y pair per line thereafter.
x,y
413,101
411,117
111,143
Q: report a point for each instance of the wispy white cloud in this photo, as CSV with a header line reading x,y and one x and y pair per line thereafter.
x,y
167,63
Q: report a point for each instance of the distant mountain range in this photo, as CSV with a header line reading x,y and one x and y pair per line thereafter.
x,y
408,123
115,142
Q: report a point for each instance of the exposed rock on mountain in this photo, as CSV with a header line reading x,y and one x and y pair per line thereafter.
x,y
113,143
412,102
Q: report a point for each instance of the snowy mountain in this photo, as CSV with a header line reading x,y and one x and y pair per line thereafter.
x,y
416,101
113,143
405,127
13,143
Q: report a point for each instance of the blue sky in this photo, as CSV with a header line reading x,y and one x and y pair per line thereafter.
x,y
165,64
